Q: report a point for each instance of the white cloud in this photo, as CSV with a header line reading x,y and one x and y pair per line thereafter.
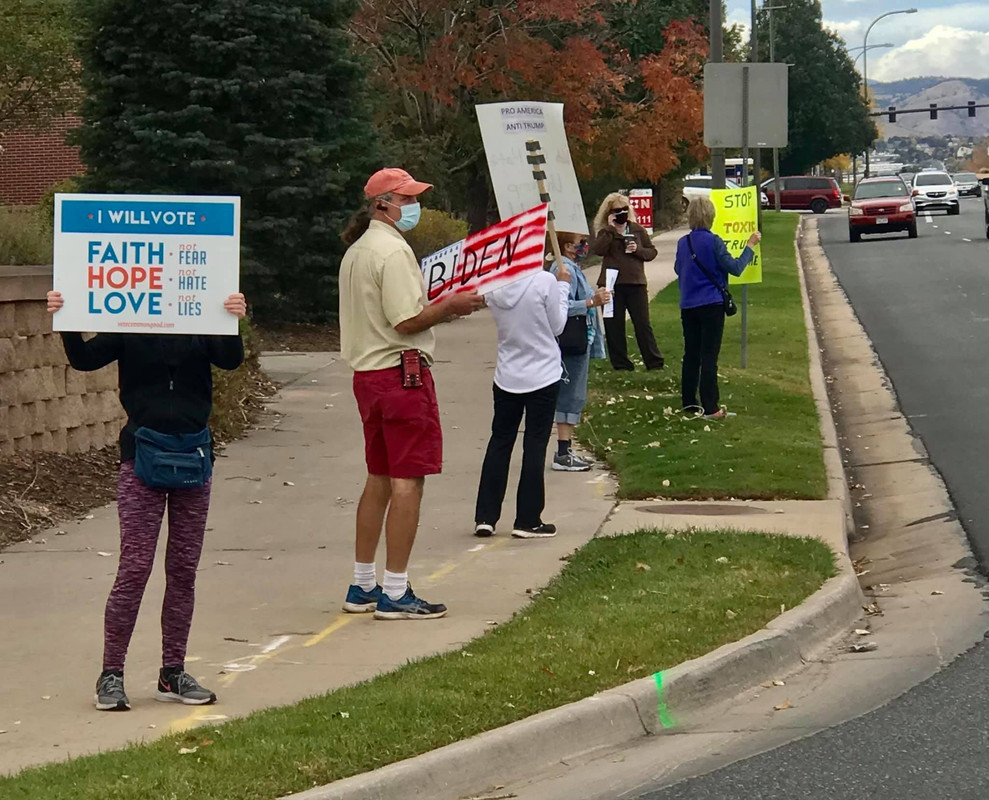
x,y
943,50
846,28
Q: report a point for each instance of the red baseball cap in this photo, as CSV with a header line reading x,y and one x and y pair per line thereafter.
x,y
392,179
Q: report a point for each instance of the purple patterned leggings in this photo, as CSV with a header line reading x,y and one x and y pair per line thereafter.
x,y
141,512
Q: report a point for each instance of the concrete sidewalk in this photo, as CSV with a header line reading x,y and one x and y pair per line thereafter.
x,y
268,627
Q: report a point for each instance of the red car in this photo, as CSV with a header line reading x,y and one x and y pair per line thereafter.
x,y
805,192
881,205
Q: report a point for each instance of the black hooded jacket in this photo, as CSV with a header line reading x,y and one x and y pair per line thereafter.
x,y
165,380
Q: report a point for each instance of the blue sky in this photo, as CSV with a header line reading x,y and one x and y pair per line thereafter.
x,y
944,38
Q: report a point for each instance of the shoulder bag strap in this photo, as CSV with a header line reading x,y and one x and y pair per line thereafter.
x,y
697,261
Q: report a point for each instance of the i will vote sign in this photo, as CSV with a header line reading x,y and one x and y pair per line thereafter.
x,y
488,259
146,263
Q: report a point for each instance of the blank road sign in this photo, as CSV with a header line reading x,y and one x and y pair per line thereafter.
x,y
723,92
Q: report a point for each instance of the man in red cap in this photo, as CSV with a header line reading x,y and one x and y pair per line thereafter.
x,y
386,337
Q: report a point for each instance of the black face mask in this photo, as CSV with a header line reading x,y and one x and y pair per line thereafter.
x,y
621,217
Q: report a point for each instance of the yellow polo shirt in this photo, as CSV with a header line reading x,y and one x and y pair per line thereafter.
x,y
380,287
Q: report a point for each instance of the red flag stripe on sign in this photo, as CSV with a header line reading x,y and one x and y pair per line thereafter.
x,y
492,257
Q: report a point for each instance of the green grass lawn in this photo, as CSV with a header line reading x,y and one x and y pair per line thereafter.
x,y
771,449
622,608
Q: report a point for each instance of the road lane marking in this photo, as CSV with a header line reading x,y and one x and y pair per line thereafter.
x,y
967,240
333,627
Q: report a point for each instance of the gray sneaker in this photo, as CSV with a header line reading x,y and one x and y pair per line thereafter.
x,y
181,687
110,694
570,462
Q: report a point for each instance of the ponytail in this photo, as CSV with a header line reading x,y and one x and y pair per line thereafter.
x,y
357,226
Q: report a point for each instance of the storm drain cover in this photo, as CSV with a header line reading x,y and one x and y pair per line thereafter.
x,y
703,510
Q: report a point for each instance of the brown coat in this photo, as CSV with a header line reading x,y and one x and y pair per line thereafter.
x,y
611,246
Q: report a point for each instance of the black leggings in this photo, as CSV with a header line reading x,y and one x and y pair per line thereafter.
x,y
703,328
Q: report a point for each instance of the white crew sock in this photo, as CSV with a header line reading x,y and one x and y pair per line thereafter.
x,y
364,576
395,584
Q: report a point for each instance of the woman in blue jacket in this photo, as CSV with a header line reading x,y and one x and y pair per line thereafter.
x,y
573,390
702,312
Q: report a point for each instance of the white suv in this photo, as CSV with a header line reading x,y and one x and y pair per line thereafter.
x,y
700,186
933,191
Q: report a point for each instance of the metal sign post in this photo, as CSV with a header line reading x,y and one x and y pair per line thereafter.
x,y
745,182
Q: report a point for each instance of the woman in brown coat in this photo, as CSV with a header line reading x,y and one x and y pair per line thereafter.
x,y
625,245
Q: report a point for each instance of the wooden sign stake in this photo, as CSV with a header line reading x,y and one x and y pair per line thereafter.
x,y
538,161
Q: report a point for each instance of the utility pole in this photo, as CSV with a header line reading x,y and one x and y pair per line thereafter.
x,y
776,150
716,57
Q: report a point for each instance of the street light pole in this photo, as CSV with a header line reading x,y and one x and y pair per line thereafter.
x,y
865,67
716,57
776,150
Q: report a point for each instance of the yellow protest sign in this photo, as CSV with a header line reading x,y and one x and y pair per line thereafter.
x,y
737,218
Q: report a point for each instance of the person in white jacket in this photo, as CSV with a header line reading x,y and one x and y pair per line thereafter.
x,y
530,314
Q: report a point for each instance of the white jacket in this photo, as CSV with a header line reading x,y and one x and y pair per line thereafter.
x,y
530,314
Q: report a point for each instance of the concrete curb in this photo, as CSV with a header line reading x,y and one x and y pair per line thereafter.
x,y
664,703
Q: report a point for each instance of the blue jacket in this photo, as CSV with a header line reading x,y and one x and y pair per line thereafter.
x,y
580,290
696,288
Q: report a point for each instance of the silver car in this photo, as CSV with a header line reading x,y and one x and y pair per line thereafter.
x,y
935,191
967,184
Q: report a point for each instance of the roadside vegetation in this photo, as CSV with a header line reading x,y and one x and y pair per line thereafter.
x,y
771,448
622,608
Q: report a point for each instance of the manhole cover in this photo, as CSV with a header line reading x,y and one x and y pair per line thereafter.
x,y
703,510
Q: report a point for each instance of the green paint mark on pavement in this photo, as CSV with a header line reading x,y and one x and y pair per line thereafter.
x,y
665,718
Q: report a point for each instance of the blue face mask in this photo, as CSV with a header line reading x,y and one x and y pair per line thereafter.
x,y
410,216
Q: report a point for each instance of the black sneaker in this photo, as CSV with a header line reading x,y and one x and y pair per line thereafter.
x,y
178,686
110,694
483,529
569,462
541,531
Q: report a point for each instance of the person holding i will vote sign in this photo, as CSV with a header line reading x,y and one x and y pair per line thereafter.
x,y
144,272
166,460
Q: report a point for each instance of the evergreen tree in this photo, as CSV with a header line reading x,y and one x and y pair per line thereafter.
x,y
257,98
828,114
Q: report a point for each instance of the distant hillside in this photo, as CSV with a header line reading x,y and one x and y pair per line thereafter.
x,y
920,93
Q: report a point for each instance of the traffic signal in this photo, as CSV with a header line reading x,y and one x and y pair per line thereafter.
x,y
933,110
892,113
971,108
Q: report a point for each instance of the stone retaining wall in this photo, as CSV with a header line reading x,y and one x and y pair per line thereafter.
x,y
44,403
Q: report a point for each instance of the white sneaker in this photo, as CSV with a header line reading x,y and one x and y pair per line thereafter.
x,y
483,529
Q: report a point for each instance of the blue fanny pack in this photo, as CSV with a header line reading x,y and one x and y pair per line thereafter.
x,y
165,461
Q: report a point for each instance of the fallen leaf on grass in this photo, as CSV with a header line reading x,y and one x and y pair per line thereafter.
x,y
730,614
591,672
666,482
640,567
721,560
548,671
654,444
783,706
184,751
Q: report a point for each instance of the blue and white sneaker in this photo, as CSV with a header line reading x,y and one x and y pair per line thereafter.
x,y
408,607
361,602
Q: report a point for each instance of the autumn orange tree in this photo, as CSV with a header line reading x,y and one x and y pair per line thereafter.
x,y
630,83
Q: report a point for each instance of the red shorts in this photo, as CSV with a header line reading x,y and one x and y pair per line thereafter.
x,y
402,434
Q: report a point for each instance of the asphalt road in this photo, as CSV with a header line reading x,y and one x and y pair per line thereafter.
x,y
925,305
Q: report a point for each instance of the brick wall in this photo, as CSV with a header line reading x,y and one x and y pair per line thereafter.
x,y
34,160
44,403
